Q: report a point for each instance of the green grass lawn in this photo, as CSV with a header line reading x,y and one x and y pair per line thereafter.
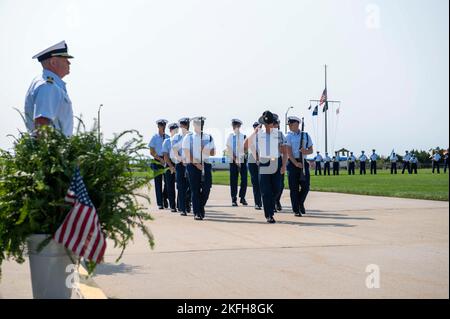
x,y
424,185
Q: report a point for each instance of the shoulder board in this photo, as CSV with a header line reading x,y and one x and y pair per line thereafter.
x,y
50,80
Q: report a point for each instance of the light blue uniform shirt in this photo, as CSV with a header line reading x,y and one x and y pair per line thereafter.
x,y
374,157
47,97
167,148
156,142
363,158
177,143
293,141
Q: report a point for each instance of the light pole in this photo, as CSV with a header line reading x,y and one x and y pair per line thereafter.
x,y
285,119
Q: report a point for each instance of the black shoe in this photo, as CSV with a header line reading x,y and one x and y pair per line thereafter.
x,y
302,210
166,204
257,207
173,210
244,202
197,218
278,207
298,214
234,204
274,210
272,221
160,207
183,214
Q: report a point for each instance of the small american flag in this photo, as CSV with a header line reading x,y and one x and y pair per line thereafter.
x,y
323,98
80,232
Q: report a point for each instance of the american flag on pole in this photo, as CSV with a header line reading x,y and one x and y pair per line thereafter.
x,y
80,232
323,98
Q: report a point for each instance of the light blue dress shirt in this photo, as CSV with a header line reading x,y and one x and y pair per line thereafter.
x,y
293,141
47,97
157,142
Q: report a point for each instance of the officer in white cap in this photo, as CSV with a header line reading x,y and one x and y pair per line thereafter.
x,y
156,150
326,165
184,194
435,158
362,163
198,147
318,159
406,164
351,164
373,162
253,168
171,160
299,145
47,101
238,163
393,159
335,161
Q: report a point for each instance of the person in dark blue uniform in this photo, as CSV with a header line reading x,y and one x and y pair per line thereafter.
x,y
335,161
299,144
238,163
170,159
156,151
270,150
198,147
351,164
182,181
253,167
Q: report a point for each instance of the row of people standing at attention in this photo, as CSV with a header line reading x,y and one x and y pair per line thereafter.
x,y
409,163
351,163
267,154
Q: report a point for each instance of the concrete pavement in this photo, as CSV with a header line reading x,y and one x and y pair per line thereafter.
x,y
234,253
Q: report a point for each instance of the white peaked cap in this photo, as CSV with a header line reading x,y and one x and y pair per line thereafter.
x,y
59,49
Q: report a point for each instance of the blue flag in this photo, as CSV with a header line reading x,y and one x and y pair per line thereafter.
x,y
316,111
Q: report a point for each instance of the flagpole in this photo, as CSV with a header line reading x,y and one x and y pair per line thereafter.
x,y
326,112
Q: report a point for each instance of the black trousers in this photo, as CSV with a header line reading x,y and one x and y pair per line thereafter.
x,y
414,168
170,184
351,168
393,168
435,165
200,188
160,191
373,167
326,168
318,168
406,166
299,185
235,171
362,168
270,185
254,177
183,198
335,168
445,165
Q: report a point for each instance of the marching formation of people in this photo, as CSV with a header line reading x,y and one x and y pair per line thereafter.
x,y
267,154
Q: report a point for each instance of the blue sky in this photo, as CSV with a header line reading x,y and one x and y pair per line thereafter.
x,y
144,60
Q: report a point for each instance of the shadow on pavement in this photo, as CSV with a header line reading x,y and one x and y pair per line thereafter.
x,y
110,268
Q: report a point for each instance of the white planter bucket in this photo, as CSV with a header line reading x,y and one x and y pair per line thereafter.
x,y
48,269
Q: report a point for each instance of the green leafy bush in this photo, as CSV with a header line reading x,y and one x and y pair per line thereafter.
x,y
36,173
